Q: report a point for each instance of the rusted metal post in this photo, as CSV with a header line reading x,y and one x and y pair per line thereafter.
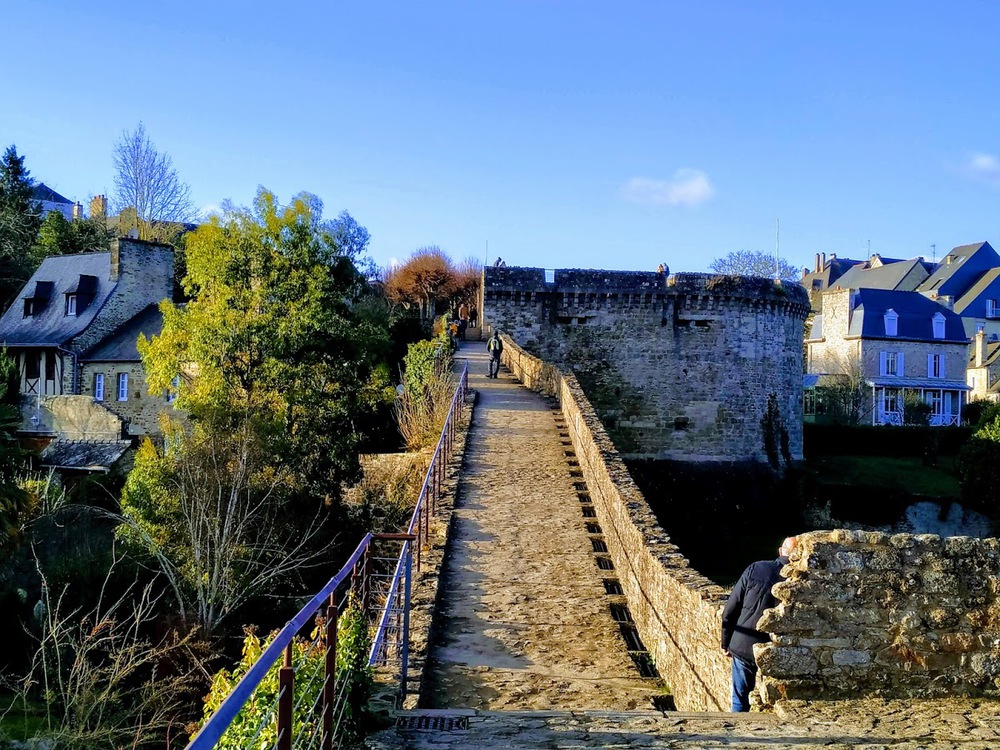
x,y
366,580
330,671
286,689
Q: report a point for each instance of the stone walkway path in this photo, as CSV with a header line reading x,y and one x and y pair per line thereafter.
x,y
525,621
870,725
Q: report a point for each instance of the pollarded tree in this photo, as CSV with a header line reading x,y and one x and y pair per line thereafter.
x,y
755,263
146,181
425,279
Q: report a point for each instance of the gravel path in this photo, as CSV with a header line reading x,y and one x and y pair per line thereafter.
x,y
524,620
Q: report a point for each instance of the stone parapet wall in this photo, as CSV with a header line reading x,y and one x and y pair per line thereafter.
x,y
676,609
903,616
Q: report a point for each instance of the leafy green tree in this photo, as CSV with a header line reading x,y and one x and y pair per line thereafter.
x,y
755,263
19,222
57,236
275,368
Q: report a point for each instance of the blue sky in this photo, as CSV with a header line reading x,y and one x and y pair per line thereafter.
x,y
563,134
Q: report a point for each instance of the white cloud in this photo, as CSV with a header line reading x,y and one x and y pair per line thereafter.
x,y
984,166
211,209
687,187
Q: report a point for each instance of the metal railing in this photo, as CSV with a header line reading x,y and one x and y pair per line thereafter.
x,y
312,704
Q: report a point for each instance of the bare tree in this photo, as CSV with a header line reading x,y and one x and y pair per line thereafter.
x,y
755,263
146,182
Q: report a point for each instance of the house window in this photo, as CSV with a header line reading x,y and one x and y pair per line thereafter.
x,y
890,400
809,403
29,307
123,386
71,304
891,323
99,386
174,385
891,363
992,308
934,399
935,365
938,321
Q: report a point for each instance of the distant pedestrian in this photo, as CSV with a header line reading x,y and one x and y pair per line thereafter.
x,y
498,262
473,317
659,268
495,347
747,602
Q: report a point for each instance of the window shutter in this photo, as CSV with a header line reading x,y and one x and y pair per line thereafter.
x,y
900,371
930,365
941,367
881,363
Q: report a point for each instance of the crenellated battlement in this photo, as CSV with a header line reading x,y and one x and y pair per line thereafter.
x,y
678,366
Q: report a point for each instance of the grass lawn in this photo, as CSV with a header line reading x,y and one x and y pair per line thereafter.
x,y
908,474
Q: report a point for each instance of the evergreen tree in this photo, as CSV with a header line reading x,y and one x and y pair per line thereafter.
x,y
19,222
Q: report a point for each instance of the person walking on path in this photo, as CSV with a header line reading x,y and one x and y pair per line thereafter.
x,y
495,347
750,597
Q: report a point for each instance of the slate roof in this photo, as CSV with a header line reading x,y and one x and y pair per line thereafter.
x,y
893,275
85,455
42,192
50,326
915,322
834,269
949,278
992,354
120,346
981,285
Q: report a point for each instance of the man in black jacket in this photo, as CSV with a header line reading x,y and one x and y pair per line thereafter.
x,y
750,597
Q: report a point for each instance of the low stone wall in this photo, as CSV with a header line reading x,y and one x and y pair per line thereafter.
x,y
676,609
902,616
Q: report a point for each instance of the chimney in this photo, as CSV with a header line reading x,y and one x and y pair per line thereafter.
x,y
98,206
817,269
77,211
822,261
980,344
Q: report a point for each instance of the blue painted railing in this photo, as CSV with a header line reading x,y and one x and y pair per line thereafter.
x,y
360,581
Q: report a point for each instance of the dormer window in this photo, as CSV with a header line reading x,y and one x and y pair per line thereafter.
x,y
29,307
938,321
71,304
891,323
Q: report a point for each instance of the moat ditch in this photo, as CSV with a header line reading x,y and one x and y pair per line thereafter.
x,y
723,516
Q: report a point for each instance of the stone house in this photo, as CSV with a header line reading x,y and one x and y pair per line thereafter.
x,y
49,200
72,332
983,373
891,343
958,271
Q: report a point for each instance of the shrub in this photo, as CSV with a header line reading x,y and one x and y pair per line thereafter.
x,y
255,726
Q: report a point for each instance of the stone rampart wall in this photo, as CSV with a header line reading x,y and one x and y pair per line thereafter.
x,y
679,367
676,609
902,616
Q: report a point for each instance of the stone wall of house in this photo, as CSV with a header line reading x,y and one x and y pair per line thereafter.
x,y
865,613
680,367
676,609
141,410
144,272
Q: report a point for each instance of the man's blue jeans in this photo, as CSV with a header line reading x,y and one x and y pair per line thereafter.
x,y
744,678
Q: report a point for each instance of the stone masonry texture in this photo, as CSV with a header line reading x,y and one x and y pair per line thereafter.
x,y
866,613
676,609
678,367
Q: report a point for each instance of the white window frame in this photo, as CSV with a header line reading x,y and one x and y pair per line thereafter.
x,y
992,308
938,323
935,366
123,386
98,386
891,323
71,304
172,391
891,364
